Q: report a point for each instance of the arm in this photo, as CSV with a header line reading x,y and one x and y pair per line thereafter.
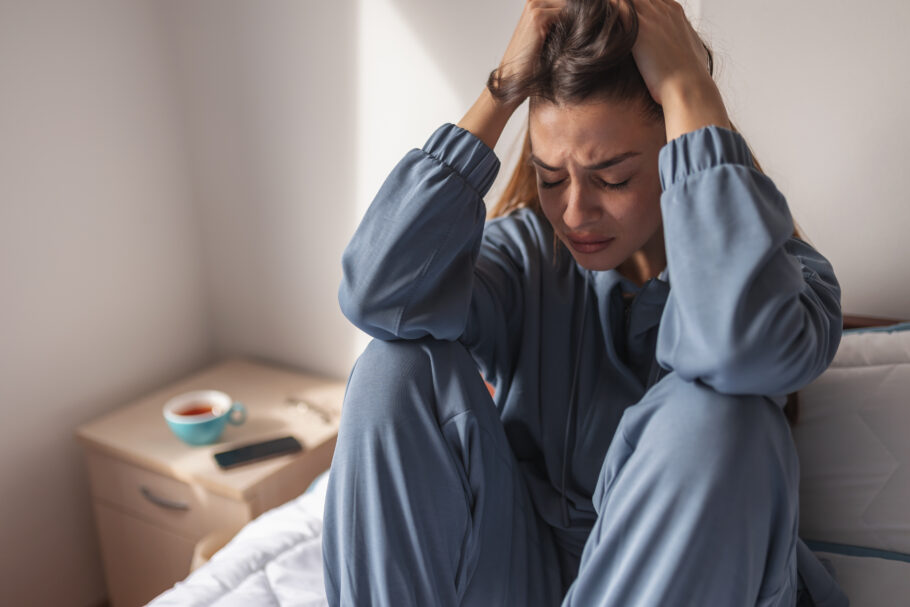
x,y
751,310
408,270
423,263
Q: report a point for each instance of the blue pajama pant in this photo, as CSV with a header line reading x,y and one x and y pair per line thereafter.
x,y
697,498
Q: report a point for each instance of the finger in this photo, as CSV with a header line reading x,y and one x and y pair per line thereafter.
x,y
537,7
643,5
624,10
546,4
648,11
543,18
671,5
551,13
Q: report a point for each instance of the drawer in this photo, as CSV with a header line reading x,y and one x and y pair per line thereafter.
x,y
141,560
161,500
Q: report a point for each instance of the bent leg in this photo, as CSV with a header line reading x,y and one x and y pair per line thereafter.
x,y
425,504
697,504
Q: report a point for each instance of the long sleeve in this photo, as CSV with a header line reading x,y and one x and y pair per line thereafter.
x,y
408,270
751,309
423,262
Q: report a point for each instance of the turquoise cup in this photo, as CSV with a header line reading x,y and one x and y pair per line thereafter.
x,y
199,417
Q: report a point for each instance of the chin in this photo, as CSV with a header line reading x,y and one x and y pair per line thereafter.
x,y
596,263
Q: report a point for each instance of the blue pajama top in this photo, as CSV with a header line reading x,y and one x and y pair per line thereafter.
x,y
742,306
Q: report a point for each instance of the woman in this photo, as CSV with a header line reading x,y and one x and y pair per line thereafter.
x,y
641,324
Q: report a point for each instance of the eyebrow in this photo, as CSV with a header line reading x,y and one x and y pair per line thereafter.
x,y
594,167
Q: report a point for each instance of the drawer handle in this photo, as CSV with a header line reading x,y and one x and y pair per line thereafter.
x,y
160,501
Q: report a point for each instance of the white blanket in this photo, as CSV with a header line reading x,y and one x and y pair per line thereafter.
x,y
275,559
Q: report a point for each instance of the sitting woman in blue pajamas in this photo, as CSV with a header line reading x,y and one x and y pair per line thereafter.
x,y
642,310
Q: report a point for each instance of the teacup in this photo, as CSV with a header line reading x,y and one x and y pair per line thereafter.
x,y
199,417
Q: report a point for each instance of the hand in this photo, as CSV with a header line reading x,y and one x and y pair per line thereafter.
x,y
524,47
667,52
487,117
673,62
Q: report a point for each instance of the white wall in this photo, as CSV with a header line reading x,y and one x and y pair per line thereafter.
x,y
420,64
295,113
821,90
101,290
269,89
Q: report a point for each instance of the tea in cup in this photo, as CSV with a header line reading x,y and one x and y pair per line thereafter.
x,y
199,417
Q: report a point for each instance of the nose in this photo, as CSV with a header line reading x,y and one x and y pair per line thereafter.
x,y
581,208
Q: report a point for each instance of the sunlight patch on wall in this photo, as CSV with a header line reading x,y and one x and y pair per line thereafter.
x,y
403,97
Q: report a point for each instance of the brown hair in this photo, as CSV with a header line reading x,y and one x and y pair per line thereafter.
x,y
586,55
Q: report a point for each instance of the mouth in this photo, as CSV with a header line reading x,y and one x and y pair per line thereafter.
x,y
589,244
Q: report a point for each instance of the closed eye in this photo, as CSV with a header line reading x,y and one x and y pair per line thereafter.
x,y
613,186
550,184
605,184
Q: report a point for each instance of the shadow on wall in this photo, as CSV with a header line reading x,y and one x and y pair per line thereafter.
x,y
271,90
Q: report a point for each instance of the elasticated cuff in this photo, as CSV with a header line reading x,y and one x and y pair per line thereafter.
x,y
465,154
701,149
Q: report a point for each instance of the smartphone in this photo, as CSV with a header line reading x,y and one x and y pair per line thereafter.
x,y
255,452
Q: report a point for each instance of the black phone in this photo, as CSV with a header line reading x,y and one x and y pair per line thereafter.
x,y
255,452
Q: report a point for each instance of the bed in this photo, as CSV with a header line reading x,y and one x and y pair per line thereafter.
x,y
853,438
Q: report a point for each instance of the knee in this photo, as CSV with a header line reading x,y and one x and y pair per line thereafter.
x,y
694,427
394,382
702,410
385,382
388,363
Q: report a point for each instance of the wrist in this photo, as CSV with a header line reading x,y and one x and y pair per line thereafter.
x,y
692,103
487,118
500,108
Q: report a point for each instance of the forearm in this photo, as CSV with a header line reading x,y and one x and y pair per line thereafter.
x,y
751,309
487,118
693,104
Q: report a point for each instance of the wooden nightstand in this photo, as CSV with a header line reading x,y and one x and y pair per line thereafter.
x,y
154,497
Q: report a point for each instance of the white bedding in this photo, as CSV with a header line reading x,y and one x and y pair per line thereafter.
x,y
275,559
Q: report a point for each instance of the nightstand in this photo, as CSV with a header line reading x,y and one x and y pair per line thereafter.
x,y
154,497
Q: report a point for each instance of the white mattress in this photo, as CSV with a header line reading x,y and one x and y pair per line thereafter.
x,y
853,438
870,581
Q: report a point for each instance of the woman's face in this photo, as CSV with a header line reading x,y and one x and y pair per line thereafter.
x,y
598,182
